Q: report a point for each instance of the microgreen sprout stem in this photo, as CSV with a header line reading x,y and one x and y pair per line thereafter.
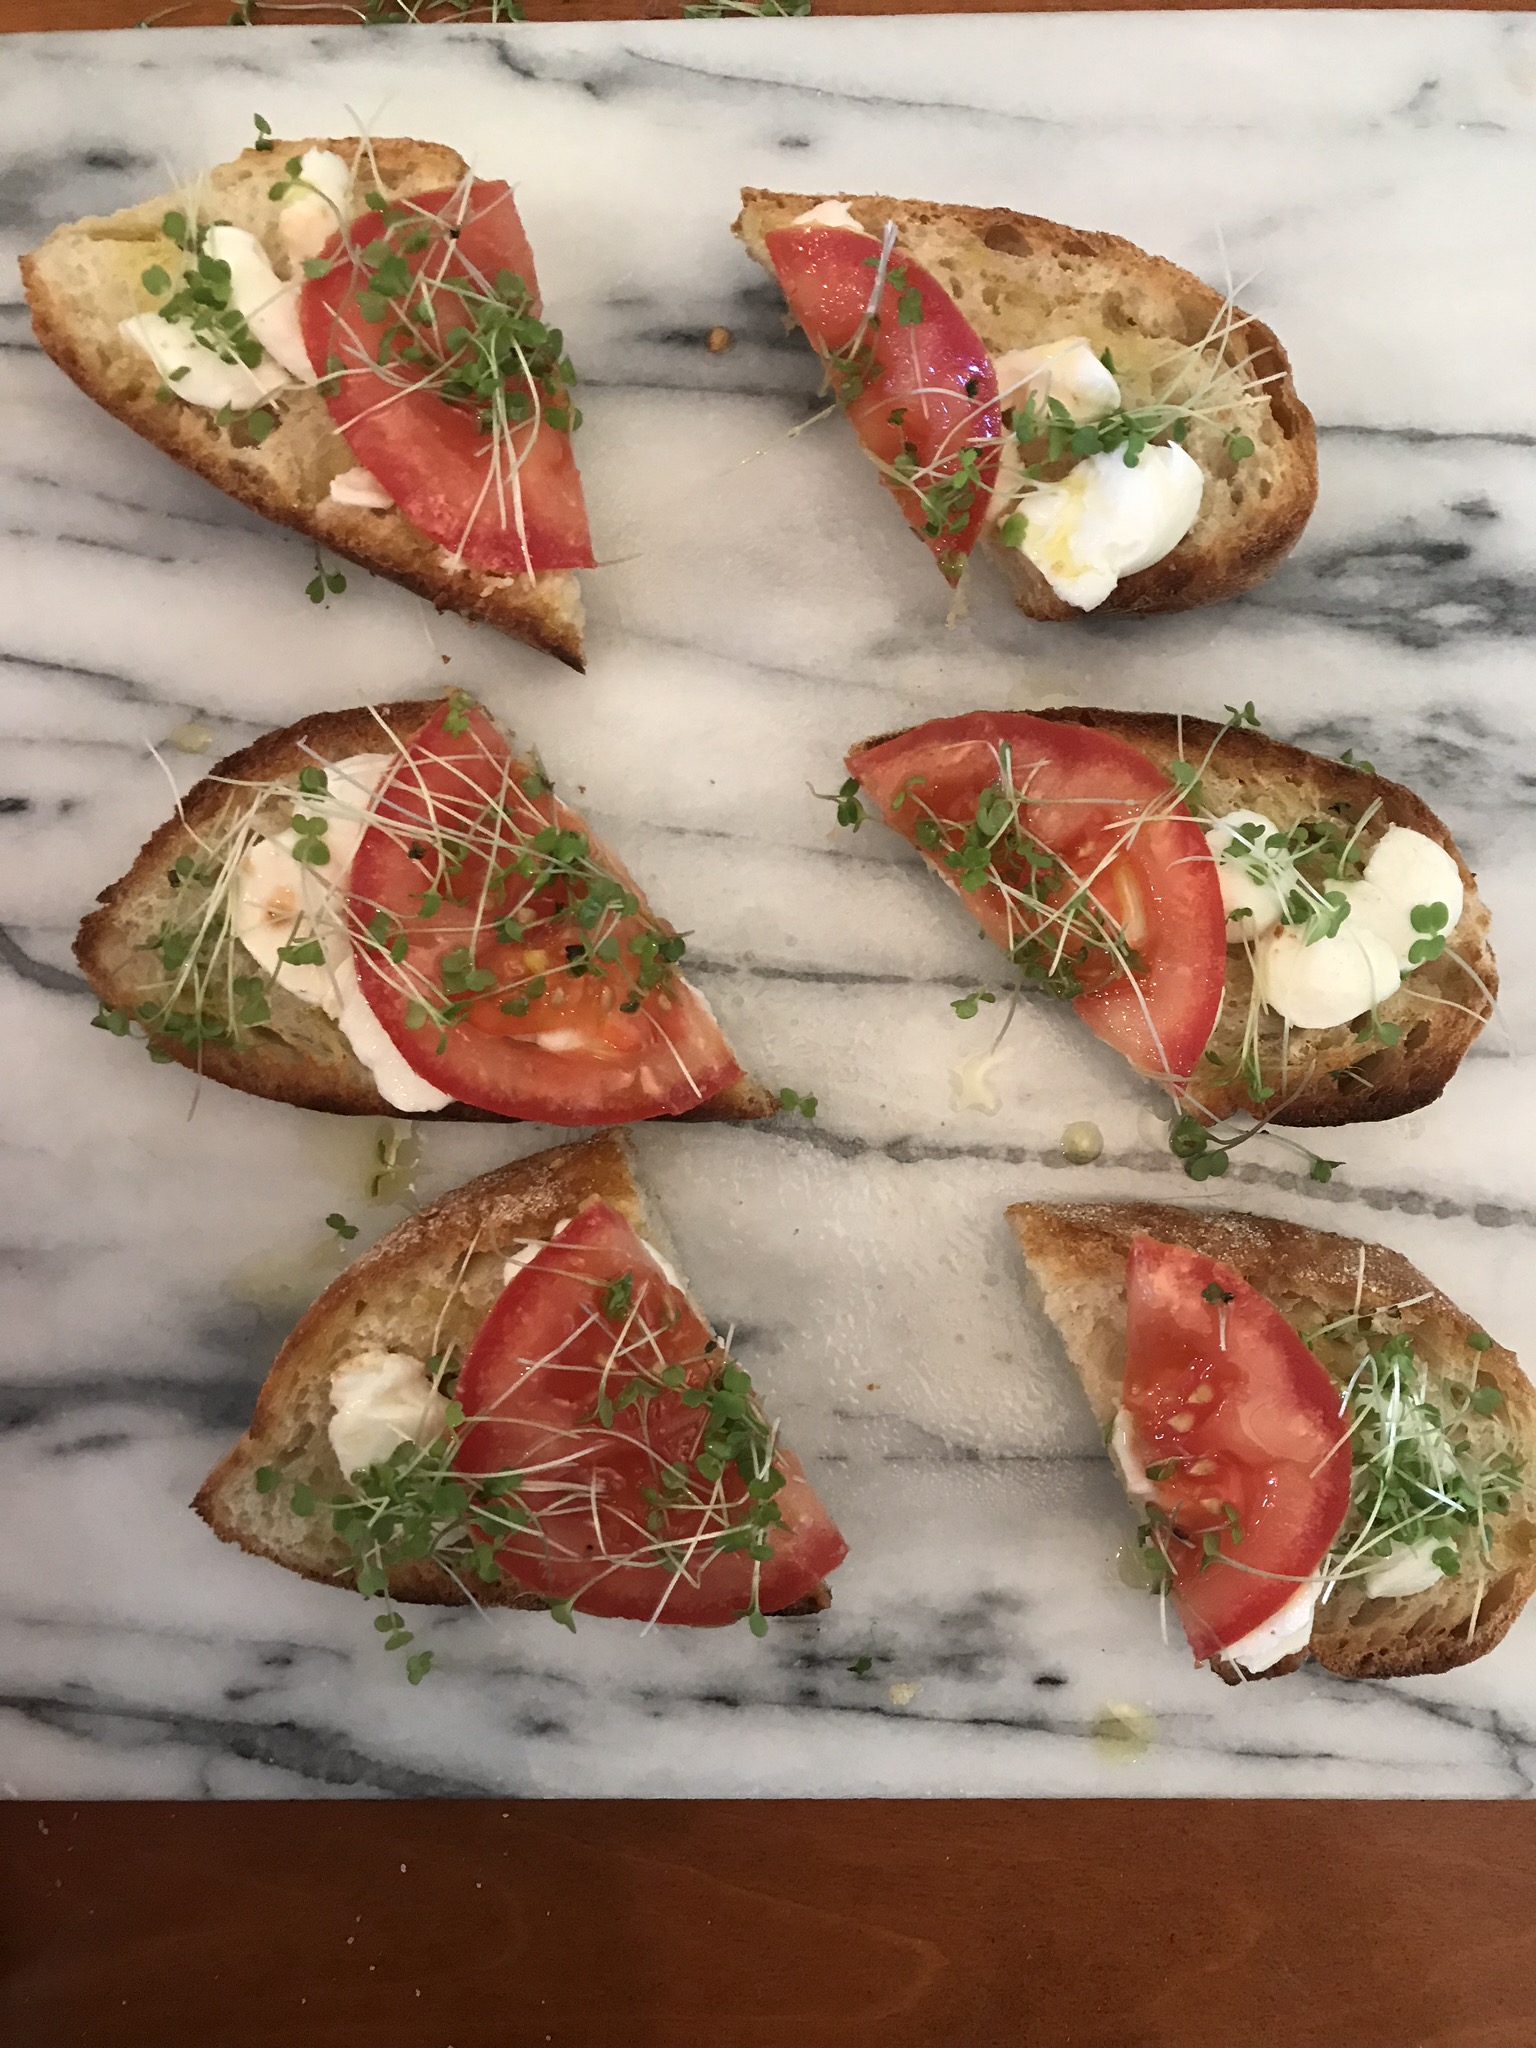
x,y
543,918
711,1457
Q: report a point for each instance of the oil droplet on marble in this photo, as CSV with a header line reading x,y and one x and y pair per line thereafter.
x,y
1123,1733
191,738
277,1283
971,1085
1082,1142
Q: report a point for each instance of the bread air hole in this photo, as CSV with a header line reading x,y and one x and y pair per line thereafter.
x,y
1008,239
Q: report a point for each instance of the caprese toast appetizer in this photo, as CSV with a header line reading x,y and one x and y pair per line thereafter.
x,y
391,911
1255,927
348,336
512,1400
1117,434
1329,1458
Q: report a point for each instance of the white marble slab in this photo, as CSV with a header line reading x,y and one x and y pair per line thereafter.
x,y
1373,175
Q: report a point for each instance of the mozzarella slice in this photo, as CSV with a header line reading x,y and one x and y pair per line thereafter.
x,y
1286,1632
360,487
1122,1450
275,900
1405,869
1329,982
381,1399
1066,370
831,213
1407,1568
310,218
1252,907
195,373
270,308
1107,519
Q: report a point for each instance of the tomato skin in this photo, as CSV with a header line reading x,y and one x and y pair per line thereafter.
x,y
1162,1020
1260,1427
535,1370
827,275
662,1059
431,455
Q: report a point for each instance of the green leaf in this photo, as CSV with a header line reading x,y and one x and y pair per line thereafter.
x,y
1013,529
344,1230
862,1666
417,1666
1486,1400
302,1500
563,1612
1207,1165
967,1006
268,1478
1479,1340
109,1019
1187,1137
1323,1169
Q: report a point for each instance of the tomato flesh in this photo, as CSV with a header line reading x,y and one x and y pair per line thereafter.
x,y
472,952
1110,819
1243,1432
591,1317
914,379
506,506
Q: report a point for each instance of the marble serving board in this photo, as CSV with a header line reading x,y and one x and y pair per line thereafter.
x,y
1367,181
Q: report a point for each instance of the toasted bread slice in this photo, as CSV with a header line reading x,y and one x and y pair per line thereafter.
x,y
425,1287
85,279
1320,1077
1325,1077
299,1056
1021,281
1076,1255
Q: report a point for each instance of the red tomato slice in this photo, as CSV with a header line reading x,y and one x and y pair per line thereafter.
x,y
509,954
1230,1411
506,504
1111,820
589,1373
914,377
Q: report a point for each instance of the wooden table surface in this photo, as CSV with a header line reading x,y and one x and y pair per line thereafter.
x,y
892,1924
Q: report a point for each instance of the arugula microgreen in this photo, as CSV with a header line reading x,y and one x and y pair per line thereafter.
x,y
1430,1463
714,1498
791,1101
325,582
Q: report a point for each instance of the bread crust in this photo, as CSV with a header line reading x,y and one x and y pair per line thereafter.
x,y
1332,1079
544,610
337,1082
458,1244
1211,563
1076,1255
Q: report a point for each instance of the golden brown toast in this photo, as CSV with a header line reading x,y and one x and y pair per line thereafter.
x,y
300,1056
1022,281
1076,1256
85,278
